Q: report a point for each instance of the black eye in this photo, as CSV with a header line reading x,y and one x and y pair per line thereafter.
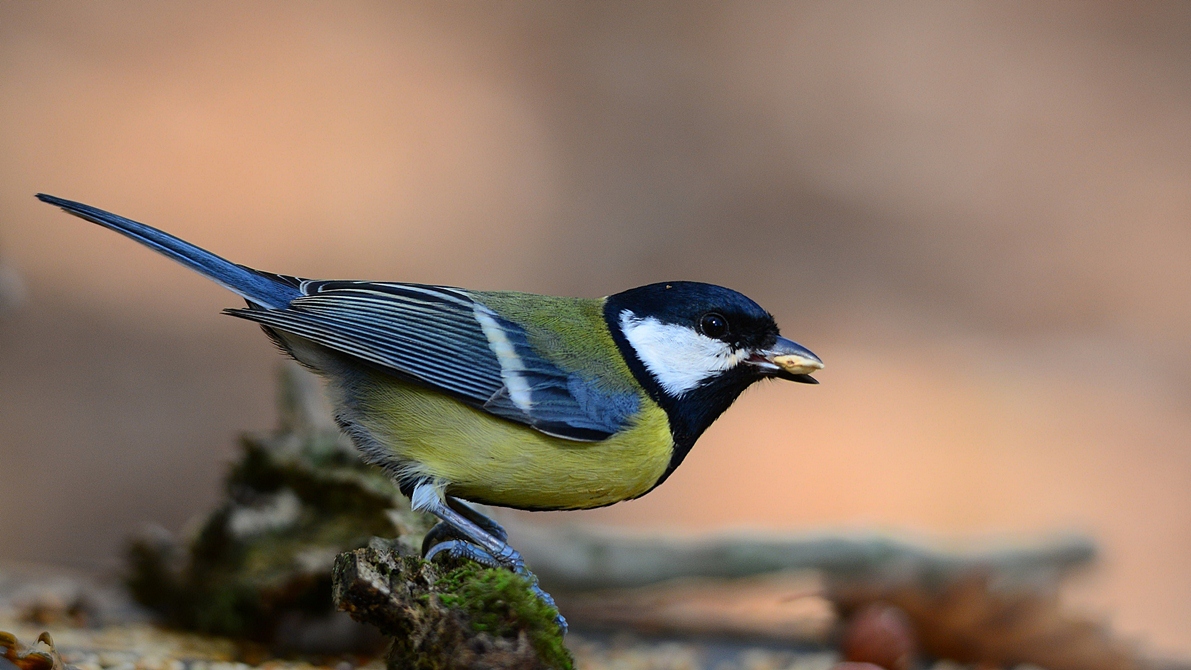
x,y
713,325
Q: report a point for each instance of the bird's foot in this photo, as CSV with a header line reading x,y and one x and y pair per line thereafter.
x,y
504,555
465,533
443,539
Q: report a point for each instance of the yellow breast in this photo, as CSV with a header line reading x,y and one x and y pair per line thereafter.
x,y
490,460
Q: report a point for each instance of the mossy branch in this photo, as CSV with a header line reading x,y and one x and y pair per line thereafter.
x,y
442,617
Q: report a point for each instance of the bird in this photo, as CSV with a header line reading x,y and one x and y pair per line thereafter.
x,y
504,398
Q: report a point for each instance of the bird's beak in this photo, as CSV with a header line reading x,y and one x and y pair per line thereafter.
x,y
788,360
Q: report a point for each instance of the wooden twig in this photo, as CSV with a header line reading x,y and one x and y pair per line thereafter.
x,y
575,559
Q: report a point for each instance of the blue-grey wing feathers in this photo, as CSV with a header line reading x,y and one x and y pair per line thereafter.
x,y
445,339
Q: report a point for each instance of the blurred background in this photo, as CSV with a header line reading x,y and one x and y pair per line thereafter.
x,y
978,214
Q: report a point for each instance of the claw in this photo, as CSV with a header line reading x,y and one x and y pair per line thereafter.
x,y
438,548
441,532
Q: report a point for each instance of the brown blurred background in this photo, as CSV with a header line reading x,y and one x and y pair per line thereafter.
x,y
978,214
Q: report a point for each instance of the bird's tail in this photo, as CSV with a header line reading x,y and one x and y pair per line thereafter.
x,y
253,286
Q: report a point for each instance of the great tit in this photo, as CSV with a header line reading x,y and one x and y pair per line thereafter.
x,y
502,398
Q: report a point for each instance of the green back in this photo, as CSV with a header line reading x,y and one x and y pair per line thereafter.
x,y
569,332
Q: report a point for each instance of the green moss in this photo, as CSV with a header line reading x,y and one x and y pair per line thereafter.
x,y
502,604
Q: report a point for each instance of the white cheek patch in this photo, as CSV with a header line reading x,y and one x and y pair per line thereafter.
x,y
679,358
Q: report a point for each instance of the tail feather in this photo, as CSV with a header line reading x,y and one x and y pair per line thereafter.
x,y
255,287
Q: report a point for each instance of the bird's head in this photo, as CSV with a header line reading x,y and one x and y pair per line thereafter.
x,y
695,347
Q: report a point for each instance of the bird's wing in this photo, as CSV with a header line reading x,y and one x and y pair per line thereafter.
x,y
447,340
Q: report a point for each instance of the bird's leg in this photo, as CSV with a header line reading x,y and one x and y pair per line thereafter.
x,y
443,531
486,522
427,497
471,540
